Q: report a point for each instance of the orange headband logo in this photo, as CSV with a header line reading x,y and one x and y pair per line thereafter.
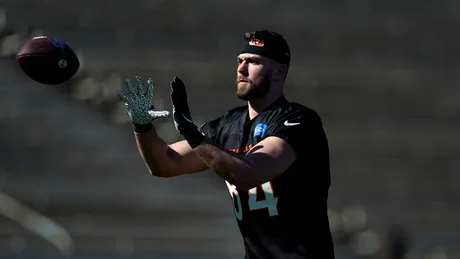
x,y
256,43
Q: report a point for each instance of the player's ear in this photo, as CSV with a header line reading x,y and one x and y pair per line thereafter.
x,y
280,72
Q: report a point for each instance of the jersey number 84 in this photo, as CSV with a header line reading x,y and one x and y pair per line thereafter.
x,y
270,202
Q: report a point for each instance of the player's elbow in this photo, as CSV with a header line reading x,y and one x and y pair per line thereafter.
x,y
158,173
169,171
161,168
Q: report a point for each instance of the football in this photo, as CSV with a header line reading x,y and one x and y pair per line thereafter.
x,y
48,60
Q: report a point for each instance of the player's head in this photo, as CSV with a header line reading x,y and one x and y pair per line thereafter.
x,y
263,64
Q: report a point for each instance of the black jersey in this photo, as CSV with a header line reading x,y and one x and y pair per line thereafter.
x,y
285,217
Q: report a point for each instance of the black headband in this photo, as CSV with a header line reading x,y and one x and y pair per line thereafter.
x,y
268,44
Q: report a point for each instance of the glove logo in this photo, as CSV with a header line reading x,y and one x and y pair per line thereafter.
x,y
260,130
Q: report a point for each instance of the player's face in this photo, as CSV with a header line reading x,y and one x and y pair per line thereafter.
x,y
253,76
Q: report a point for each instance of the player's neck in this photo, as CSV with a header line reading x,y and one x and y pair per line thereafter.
x,y
257,106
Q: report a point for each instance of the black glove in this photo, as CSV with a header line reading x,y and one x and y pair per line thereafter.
x,y
181,114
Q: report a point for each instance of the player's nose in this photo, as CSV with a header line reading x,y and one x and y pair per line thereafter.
x,y
243,69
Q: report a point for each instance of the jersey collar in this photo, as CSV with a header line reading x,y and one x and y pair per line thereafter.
x,y
280,101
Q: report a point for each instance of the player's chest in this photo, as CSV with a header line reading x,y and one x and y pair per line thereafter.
x,y
260,201
242,135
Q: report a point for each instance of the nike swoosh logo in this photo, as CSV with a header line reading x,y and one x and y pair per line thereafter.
x,y
187,119
287,123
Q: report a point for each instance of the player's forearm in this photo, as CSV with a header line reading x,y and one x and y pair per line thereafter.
x,y
154,151
233,167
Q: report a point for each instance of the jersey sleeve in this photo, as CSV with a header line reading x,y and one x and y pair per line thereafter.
x,y
210,129
297,129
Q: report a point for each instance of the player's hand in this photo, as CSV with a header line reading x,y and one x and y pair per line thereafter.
x,y
181,114
139,102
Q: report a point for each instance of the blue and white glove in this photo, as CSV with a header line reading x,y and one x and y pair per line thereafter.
x,y
139,104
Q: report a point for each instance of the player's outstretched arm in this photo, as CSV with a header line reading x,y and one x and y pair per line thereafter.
x,y
266,161
165,160
162,160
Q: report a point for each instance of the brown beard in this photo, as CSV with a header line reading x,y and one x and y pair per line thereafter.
x,y
253,89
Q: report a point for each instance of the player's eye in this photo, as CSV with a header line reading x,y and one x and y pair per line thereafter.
x,y
253,61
